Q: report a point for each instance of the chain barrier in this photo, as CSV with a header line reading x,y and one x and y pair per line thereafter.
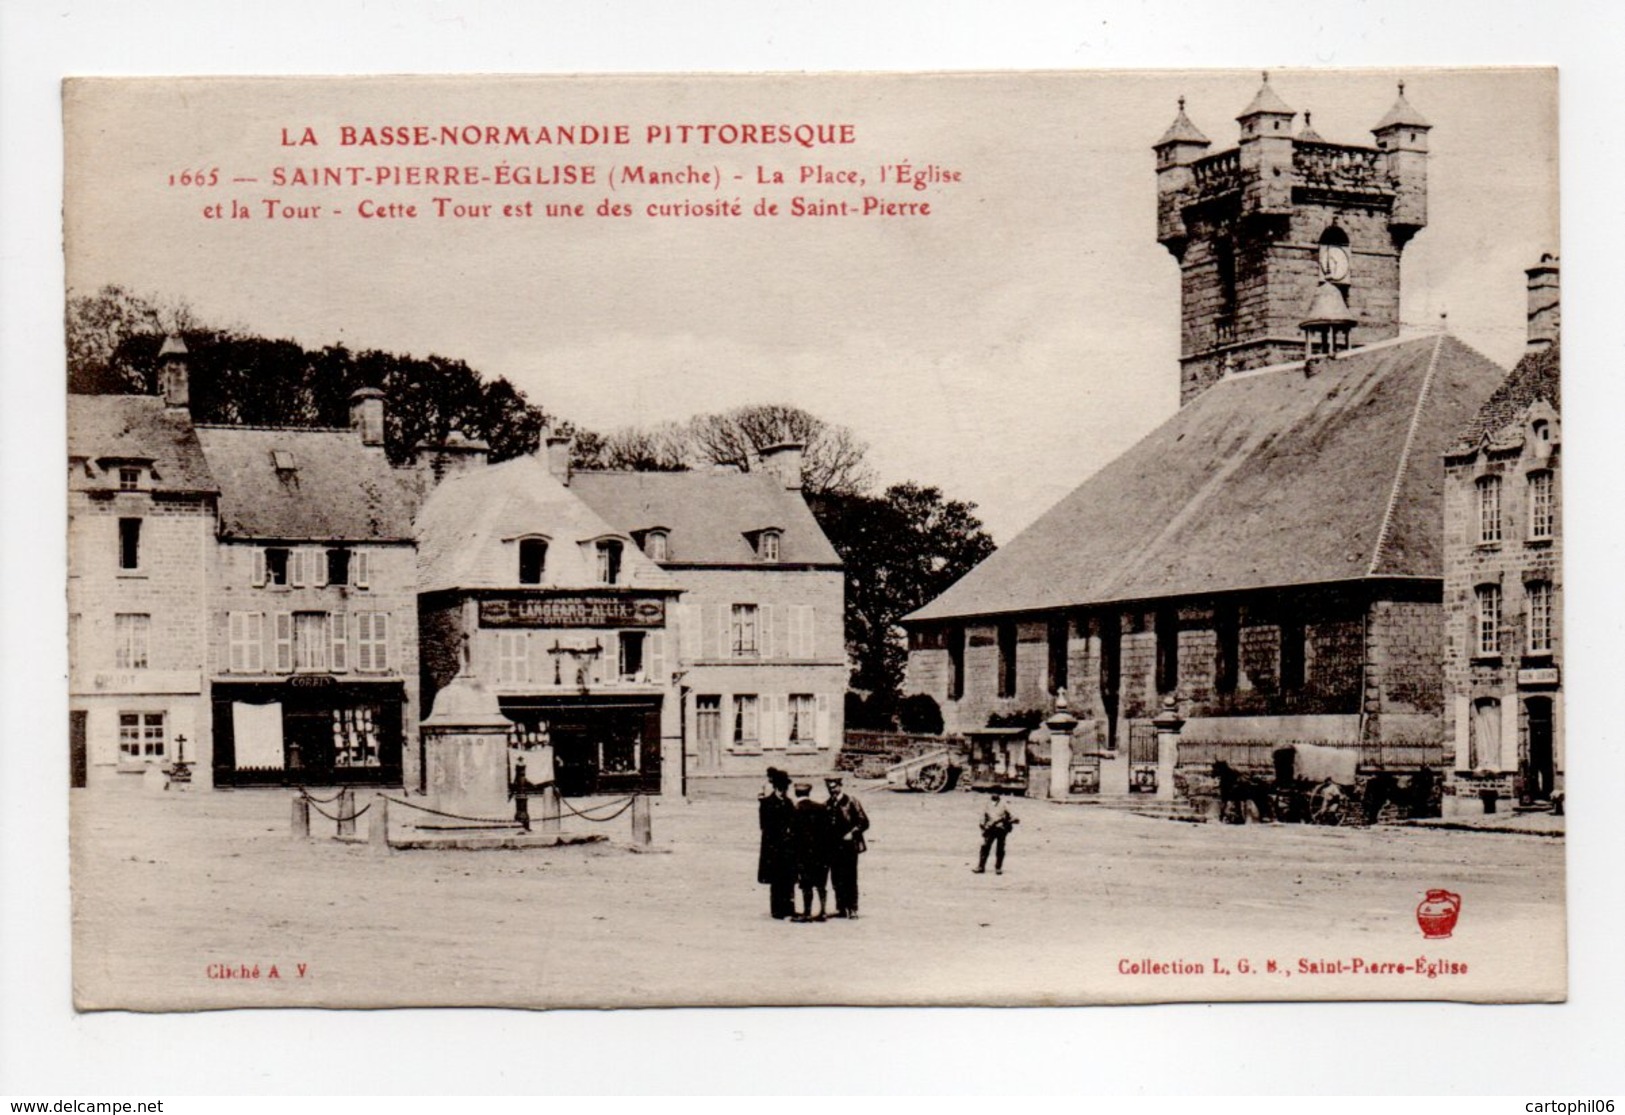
x,y
584,813
308,796
341,820
509,821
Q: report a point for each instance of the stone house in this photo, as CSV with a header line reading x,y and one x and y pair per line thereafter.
x,y
1504,575
1271,557
313,605
141,516
529,592
761,621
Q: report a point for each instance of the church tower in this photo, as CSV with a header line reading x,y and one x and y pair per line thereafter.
x,y
1257,229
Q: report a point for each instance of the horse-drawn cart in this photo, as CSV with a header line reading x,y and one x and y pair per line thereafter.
x,y
934,772
1315,783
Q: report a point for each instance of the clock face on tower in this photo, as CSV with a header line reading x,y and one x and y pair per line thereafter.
x,y
1334,263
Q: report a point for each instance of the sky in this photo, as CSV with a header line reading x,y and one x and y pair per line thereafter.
x,y
1003,348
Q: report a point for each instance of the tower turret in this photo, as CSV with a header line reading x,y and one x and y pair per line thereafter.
x,y
1180,146
1266,153
1402,137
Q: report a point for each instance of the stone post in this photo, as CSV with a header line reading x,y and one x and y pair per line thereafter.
x,y
1168,724
550,807
346,813
1061,726
378,826
642,824
300,829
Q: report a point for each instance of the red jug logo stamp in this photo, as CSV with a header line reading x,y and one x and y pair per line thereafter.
x,y
1437,913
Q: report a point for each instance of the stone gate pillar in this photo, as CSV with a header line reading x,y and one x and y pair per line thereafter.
x,y
1168,724
1061,727
465,747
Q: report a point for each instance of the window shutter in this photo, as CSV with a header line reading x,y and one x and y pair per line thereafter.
x,y
724,636
656,664
359,572
765,617
284,642
809,632
688,617
257,577
781,720
339,626
236,625
792,643
255,625
296,566
318,567
822,727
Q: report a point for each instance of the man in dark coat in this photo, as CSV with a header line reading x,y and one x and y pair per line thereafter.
x,y
812,849
847,824
776,867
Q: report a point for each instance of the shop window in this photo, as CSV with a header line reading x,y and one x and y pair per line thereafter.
x,y
631,656
1540,617
747,717
338,565
129,544
246,635
142,737
656,544
1007,658
355,737
372,641
803,719
956,663
130,634
311,641
1487,636
1489,510
532,560
1542,521
1167,626
743,631
609,563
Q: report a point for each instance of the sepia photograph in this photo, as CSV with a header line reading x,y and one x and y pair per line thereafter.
x,y
920,539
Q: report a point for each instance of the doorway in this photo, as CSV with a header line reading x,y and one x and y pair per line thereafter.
x,y
1539,772
78,761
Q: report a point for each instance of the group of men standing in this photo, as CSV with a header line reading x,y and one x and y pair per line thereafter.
x,y
810,844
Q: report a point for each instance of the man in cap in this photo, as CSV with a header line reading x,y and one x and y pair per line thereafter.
x,y
776,866
997,822
847,824
811,831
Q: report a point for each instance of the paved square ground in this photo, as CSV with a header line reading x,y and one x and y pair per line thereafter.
x,y
174,890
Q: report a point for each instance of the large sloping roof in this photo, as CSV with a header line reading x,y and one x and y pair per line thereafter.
x,y
708,514
336,490
1535,379
1268,478
105,429
470,524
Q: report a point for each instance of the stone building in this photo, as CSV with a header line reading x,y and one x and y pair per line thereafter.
x,y
141,515
1504,575
529,592
312,607
1271,557
762,649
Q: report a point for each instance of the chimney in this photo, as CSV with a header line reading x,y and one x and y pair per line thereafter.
x,y
557,446
783,461
1545,310
457,454
367,415
174,379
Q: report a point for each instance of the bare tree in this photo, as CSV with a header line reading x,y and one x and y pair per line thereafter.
x,y
834,460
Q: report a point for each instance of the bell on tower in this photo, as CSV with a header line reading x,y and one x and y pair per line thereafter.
x,y
1327,326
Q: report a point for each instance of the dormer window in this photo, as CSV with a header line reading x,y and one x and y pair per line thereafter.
x,y
768,547
1541,430
609,562
656,545
532,560
129,479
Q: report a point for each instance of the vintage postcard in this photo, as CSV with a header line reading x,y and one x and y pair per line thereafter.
x,y
898,539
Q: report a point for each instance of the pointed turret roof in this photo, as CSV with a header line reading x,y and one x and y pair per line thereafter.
x,y
1266,101
1182,130
1309,135
1402,115
173,346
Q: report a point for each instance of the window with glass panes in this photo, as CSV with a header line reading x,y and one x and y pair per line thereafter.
x,y
1489,509
311,641
803,710
130,634
1541,519
141,736
355,737
746,719
1487,639
1540,617
742,630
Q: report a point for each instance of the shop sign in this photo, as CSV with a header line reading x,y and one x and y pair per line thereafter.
x,y
1546,675
573,611
312,681
145,681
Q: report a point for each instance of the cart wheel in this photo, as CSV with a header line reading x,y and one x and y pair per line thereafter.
x,y
932,778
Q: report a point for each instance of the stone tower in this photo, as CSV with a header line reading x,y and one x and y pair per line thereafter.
x,y
1257,228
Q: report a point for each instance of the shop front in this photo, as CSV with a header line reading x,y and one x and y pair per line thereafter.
x,y
601,744
308,730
